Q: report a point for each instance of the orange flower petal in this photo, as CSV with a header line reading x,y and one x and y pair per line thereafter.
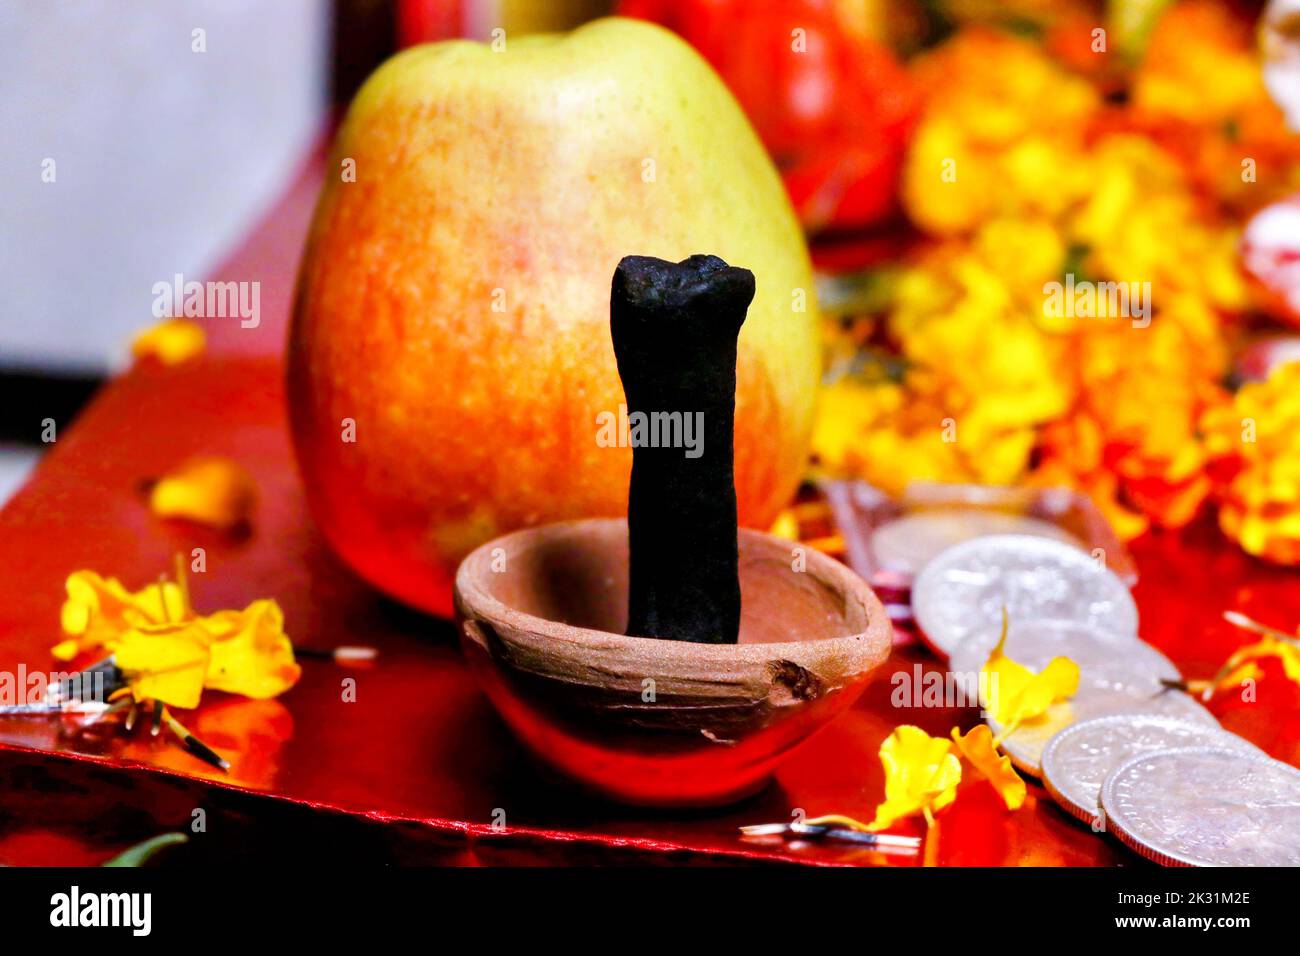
x,y
251,655
977,747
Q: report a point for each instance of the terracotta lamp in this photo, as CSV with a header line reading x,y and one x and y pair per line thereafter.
x,y
670,659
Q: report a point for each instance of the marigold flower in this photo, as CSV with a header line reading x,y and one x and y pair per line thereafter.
x,y
170,654
1026,178
1200,66
1201,92
1256,441
999,136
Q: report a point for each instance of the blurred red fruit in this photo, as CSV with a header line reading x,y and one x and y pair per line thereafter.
x,y
834,109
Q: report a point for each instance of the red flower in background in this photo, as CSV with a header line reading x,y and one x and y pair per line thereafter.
x,y
833,108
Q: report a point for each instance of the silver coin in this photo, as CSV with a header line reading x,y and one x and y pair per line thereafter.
x,y
964,589
1206,806
1118,674
1076,761
1100,652
907,544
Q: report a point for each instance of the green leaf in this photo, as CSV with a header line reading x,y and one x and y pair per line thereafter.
x,y
141,852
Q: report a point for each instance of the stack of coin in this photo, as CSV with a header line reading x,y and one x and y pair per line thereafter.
x,y
1206,806
1126,752
1078,759
1177,792
1061,602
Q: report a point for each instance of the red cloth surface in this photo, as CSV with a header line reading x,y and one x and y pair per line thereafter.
x,y
415,769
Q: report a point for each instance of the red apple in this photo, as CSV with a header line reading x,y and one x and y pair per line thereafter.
x,y
450,350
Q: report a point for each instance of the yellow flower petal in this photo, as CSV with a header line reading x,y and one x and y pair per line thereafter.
x,y
1235,678
211,491
170,654
1014,693
981,753
66,650
99,610
251,655
921,774
1286,652
171,341
167,663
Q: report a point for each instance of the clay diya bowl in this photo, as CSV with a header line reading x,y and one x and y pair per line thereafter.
x,y
658,722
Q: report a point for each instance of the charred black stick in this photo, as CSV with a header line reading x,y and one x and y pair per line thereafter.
x,y
675,327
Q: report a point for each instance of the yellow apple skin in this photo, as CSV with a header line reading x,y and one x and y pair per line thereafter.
x,y
453,302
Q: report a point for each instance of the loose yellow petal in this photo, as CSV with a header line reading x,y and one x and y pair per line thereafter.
x,y
1286,652
251,655
1014,693
66,650
980,752
212,491
167,663
171,341
921,775
1249,671
99,610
